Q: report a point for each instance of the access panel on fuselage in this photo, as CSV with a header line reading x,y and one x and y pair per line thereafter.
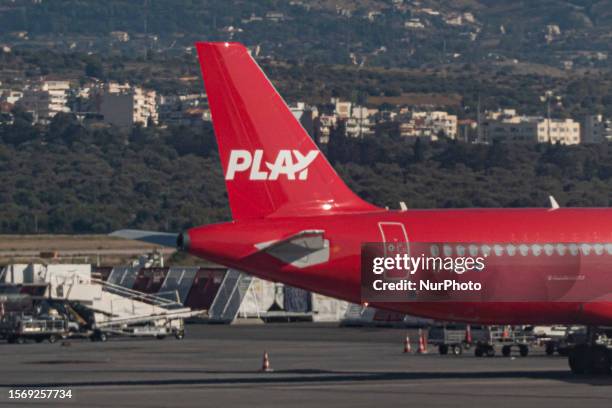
x,y
395,239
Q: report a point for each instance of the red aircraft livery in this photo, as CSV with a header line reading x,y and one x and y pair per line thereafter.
x,y
296,222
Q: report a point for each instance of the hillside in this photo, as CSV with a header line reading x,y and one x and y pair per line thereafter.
x,y
70,179
370,32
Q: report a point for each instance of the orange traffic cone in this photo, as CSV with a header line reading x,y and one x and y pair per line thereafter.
x,y
468,334
265,365
422,343
407,347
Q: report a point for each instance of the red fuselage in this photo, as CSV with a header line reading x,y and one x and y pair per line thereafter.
x,y
286,198
234,244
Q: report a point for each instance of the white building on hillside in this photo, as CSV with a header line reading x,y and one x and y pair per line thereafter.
x,y
438,122
342,109
45,99
360,123
306,115
323,127
596,129
514,128
183,110
358,120
10,96
124,105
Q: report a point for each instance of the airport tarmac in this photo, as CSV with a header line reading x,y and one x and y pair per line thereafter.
x,y
314,365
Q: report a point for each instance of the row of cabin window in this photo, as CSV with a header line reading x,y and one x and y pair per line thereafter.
x,y
521,249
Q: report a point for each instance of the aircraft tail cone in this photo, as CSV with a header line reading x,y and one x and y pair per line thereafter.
x,y
265,365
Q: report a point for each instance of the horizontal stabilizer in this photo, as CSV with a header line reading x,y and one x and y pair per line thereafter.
x,y
305,248
152,237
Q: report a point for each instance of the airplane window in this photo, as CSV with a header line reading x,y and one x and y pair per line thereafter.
x,y
573,248
511,250
524,249
585,249
609,249
435,251
473,250
561,249
599,249
536,249
498,249
448,250
460,250
486,250
549,249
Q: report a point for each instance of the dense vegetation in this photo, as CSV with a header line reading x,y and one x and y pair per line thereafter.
x,y
69,178
315,29
457,89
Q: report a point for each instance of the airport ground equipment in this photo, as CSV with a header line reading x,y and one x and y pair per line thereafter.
x,y
232,291
591,351
506,337
19,328
449,338
105,308
132,313
358,315
559,339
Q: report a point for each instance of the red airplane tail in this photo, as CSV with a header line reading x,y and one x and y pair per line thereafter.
x,y
271,165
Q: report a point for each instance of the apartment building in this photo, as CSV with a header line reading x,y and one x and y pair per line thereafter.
x,y
438,122
507,126
10,96
125,106
45,99
428,125
306,115
596,129
183,110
